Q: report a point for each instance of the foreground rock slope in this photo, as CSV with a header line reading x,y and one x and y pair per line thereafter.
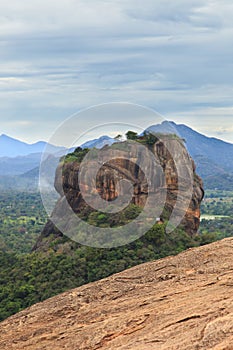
x,y
181,302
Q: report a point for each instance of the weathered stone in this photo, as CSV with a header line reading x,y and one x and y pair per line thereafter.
x,y
115,170
181,302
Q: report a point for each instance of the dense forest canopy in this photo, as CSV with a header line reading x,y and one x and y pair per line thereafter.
x,y
27,278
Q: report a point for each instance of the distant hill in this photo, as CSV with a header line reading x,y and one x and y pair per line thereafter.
x,y
10,147
18,183
17,158
213,157
20,162
217,152
16,173
219,182
19,165
99,143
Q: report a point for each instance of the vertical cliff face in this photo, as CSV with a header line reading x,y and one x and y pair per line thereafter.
x,y
175,173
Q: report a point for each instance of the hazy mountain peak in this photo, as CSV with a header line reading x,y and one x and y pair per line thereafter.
x,y
99,142
212,156
11,147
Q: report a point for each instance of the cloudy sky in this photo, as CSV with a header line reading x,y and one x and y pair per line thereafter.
x,y
59,57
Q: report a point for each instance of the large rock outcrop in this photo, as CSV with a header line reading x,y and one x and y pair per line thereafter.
x,y
184,302
115,170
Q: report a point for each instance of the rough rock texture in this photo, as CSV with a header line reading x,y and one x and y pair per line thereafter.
x,y
107,183
177,303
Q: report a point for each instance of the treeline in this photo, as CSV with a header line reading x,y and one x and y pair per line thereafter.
x,y
26,279
22,217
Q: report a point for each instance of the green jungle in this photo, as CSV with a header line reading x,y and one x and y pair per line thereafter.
x,y
28,277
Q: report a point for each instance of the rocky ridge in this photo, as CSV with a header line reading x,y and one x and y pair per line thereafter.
x,y
184,302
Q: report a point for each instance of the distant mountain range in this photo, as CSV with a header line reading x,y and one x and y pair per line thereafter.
x,y
99,143
19,161
19,165
10,147
204,150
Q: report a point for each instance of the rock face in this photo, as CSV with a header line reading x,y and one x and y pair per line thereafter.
x,y
108,177
183,302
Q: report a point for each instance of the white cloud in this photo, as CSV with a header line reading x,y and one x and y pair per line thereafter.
x,y
174,56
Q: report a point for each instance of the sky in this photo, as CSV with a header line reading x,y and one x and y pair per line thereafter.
x,y
60,57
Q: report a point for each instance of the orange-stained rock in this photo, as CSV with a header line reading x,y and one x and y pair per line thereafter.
x,y
184,302
112,172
